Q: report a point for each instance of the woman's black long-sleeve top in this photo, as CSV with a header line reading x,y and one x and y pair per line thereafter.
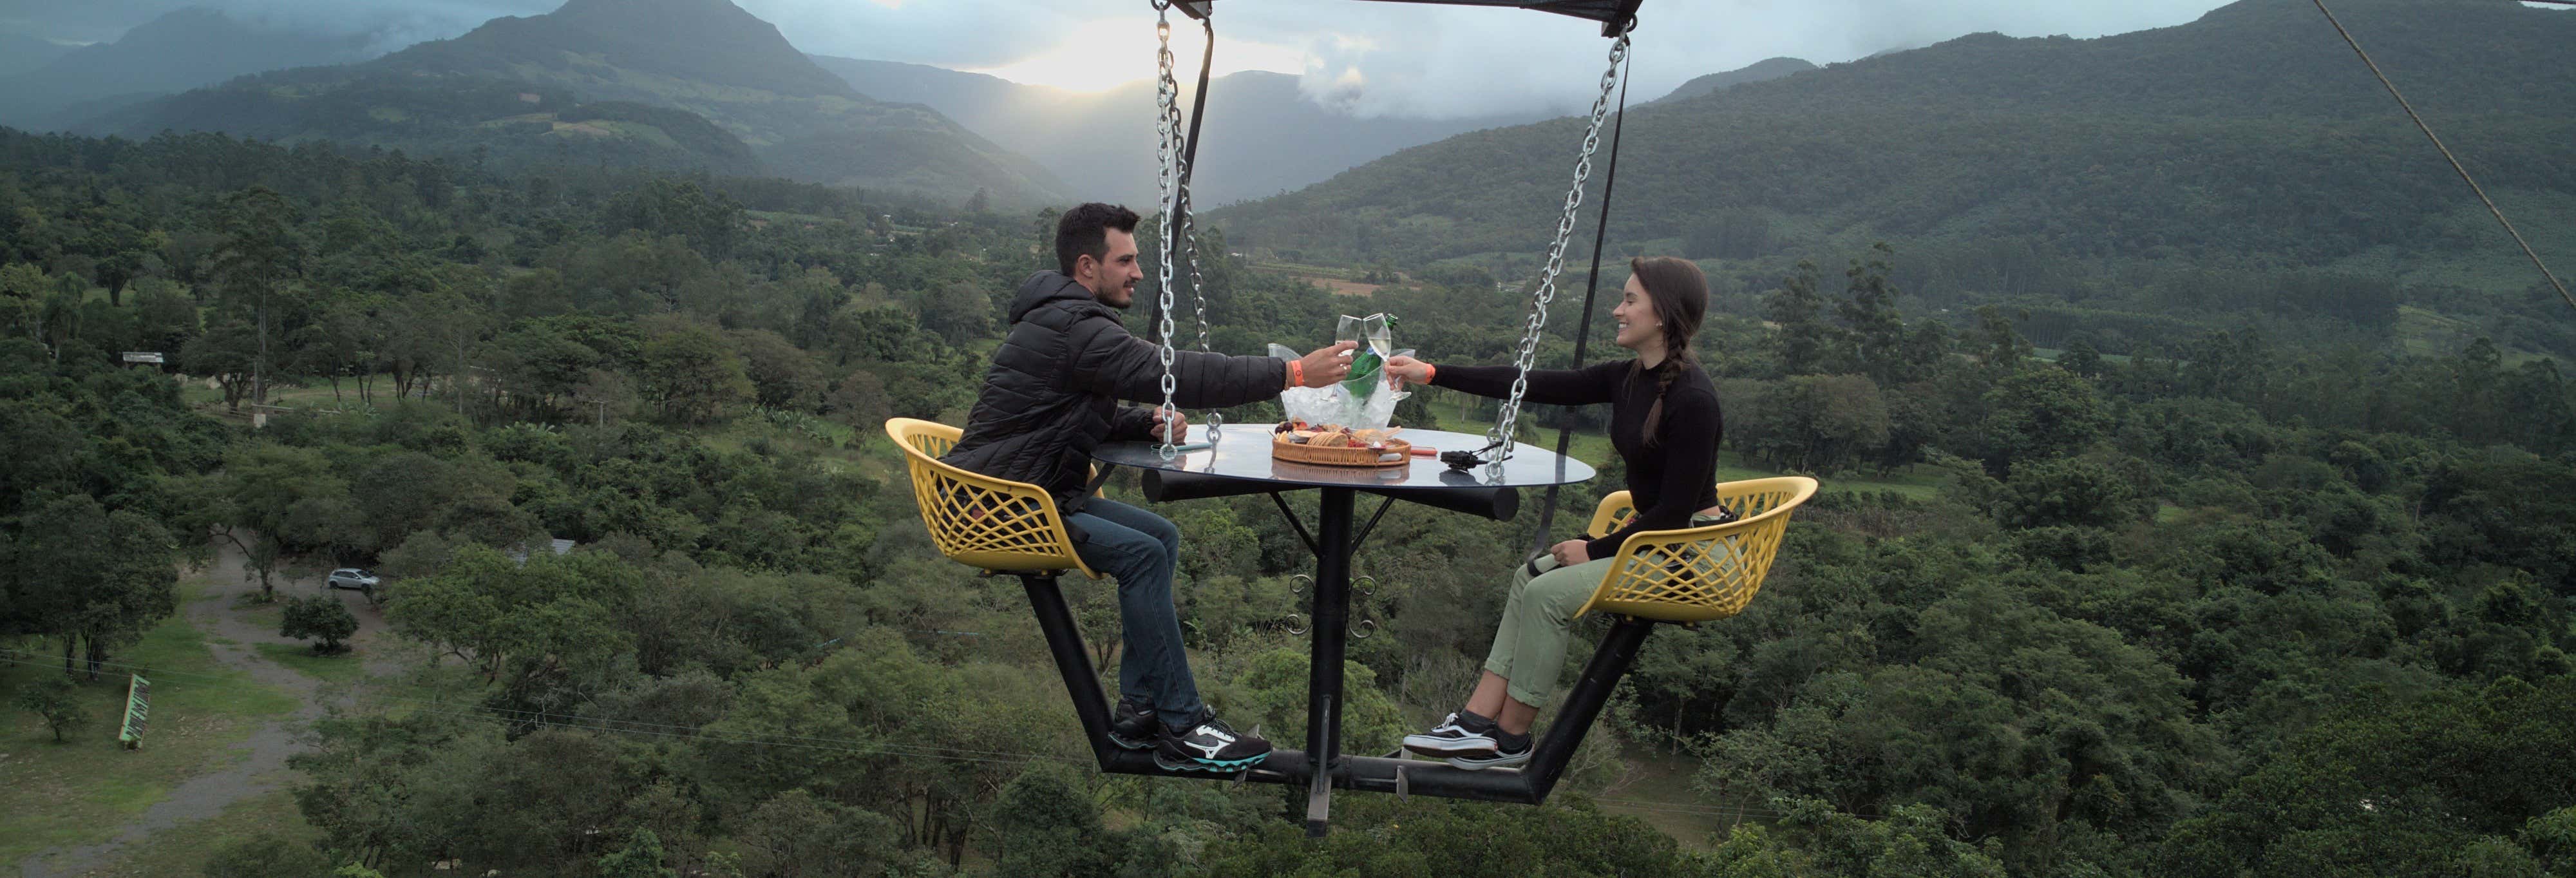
x,y
1668,480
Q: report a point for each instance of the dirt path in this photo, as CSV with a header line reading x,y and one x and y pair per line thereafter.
x,y
259,763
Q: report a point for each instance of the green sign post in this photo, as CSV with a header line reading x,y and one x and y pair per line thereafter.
x,y
138,709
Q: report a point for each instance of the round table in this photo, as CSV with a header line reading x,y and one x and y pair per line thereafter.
x,y
1242,452
1239,463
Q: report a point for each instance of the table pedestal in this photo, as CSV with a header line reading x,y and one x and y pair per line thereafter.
x,y
1324,668
1240,465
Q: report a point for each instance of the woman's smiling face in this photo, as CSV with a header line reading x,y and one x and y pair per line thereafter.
x,y
1636,318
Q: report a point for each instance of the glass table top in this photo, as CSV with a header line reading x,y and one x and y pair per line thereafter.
x,y
1243,452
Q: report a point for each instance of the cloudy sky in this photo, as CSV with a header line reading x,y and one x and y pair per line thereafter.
x,y
1379,58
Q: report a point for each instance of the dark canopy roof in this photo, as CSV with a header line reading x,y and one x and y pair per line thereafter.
x,y
1613,14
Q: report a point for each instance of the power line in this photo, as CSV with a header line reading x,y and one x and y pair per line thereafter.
x,y
2446,151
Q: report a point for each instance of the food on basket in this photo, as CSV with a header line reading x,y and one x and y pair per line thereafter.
x,y
1337,445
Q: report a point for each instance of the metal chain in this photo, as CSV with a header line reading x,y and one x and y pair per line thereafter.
x,y
1198,292
1527,355
1168,93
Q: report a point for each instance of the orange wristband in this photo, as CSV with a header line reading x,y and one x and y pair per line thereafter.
x,y
1296,373
1429,373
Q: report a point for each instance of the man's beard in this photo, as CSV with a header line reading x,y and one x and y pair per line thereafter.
x,y
1125,298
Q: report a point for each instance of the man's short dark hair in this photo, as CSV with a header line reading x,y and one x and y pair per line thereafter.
x,y
1084,231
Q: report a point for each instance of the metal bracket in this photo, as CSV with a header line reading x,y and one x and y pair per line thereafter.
x,y
1099,480
1362,538
1302,534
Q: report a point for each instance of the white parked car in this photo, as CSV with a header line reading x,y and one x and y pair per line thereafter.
x,y
352,577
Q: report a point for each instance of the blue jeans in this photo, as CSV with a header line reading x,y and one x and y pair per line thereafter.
x,y
1141,549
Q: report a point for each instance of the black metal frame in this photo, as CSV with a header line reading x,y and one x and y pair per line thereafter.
x,y
1614,15
1333,546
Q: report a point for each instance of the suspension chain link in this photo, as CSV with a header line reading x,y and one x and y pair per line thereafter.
x,y
1167,93
1526,356
1198,293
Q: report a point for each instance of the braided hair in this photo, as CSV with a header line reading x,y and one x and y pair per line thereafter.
x,y
1679,293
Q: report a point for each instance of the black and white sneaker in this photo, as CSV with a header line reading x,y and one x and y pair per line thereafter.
x,y
1499,758
1462,734
1134,726
1208,745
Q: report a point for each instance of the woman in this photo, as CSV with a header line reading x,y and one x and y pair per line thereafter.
x,y
1664,423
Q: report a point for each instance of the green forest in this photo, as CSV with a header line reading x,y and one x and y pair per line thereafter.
x,y
2289,599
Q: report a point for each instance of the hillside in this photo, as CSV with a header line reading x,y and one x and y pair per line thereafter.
x,y
508,122
705,58
2249,137
20,53
1759,71
182,50
1263,136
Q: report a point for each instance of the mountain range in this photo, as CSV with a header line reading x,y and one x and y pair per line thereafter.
x,y
182,50
1263,135
2251,136
21,54
702,84
668,83
1759,71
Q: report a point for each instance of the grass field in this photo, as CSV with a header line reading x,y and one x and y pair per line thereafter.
x,y
344,667
183,850
82,791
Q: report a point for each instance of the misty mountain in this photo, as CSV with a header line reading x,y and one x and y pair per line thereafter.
x,y
640,47
1262,135
513,77
20,53
1759,71
505,122
2251,135
182,50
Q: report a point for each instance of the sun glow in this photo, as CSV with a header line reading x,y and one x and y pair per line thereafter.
x,y
1104,54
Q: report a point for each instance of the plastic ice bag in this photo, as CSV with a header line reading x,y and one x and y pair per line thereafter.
x,y
1360,400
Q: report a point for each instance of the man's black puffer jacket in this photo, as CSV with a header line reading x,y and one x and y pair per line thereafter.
x,y
1052,394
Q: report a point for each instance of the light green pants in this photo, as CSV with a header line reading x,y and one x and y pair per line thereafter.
x,y
1529,646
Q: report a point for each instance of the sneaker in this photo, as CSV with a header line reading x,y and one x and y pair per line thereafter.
x,y
1133,726
1471,736
1208,745
1499,758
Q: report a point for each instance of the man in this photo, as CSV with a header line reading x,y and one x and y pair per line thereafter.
x,y
1052,396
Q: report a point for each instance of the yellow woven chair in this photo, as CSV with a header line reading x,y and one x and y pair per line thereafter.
x,y
981,521
1701,573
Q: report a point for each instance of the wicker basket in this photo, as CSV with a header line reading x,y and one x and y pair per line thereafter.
x,y
1398,453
